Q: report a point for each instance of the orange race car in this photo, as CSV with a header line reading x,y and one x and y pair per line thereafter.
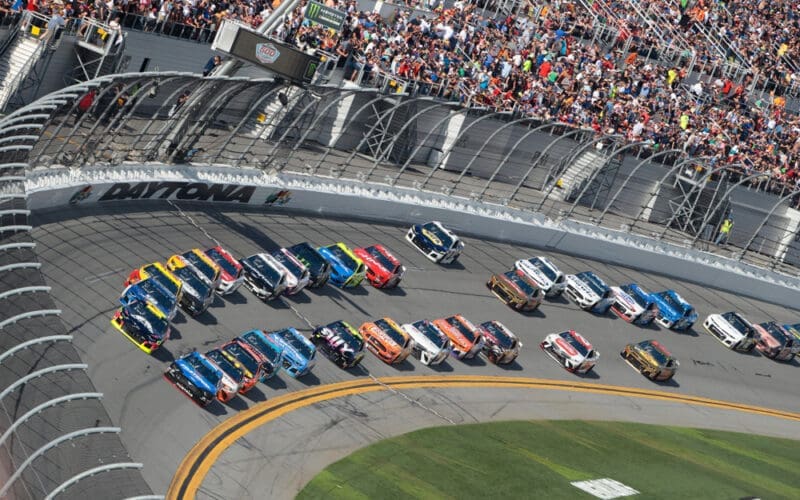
x,y
245,359
385,339
467,340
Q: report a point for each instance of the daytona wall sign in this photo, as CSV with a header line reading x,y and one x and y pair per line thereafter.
x,y
193,191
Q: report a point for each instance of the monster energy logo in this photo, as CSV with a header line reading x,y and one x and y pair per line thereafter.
x,y
326,16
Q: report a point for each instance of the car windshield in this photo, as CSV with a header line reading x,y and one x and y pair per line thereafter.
x,y
201,265
222,261
575,343
382,259
391,332
205,371
342,257
225,365
737,322
306,254
292,265
674,303
270,273
152,288
635,296
255,340
155,324
536,261
434,230
296,343
430,331
243,357
593,282
162,278
191,282
521,282
657,352
775,331
345,334
503,339
462,328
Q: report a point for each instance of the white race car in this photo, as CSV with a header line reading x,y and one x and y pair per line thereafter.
x,y
438,243
732,329
297,275
431,345
544,273
589,292
571,350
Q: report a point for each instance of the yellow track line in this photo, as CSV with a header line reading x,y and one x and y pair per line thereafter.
x,y
195,466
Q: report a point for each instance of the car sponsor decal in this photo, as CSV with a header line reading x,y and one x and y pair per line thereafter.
x,y
564,345
432,237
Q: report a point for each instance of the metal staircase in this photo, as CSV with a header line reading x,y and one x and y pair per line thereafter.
x,y
21,58
573,179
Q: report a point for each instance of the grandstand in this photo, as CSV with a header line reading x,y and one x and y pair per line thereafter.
x,y
657,118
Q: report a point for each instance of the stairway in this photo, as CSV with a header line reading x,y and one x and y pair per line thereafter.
x,y
573,179
15,68
273,114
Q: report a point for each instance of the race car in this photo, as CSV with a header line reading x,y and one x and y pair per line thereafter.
x,y
431,345
651,359
318,268
339,342
774,342
436,242
732,330
231,275
466,339
264,276
297,276
347,270
673,311
634,305
246,359
544,273
197,294
588,291
500,345
143,324
383,268
387,340
516,290
571,350
195,376
160,274
298,352
150,291
232,376
271,354
206,268
794,331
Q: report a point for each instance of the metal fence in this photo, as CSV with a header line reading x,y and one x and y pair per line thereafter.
x,y
419,143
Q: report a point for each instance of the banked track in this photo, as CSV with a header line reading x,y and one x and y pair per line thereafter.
x,y
96,247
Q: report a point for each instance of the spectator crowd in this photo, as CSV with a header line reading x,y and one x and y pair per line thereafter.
x,y
547,61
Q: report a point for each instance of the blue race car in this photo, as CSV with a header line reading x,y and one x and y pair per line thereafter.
x,y
346,268
436,242
673,311
150,290
143,324
195,376
298,351
633,304
271,352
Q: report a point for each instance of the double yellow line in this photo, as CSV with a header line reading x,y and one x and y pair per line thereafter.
x,y
194,467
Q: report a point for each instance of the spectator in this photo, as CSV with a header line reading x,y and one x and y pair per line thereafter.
x,y
212,65
724,231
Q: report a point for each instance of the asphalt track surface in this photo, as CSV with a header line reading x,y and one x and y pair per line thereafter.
x,y
88,251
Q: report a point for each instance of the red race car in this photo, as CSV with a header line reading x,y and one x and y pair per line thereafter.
x,y
231,273
383,268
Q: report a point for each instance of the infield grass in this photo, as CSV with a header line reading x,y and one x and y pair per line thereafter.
x,y
539,459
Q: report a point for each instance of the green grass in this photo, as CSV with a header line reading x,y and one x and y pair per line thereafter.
x,y
539,459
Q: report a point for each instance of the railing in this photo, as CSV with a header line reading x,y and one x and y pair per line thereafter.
x,y
495,156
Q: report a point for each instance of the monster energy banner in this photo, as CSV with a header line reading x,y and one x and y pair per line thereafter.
x,y
326,16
